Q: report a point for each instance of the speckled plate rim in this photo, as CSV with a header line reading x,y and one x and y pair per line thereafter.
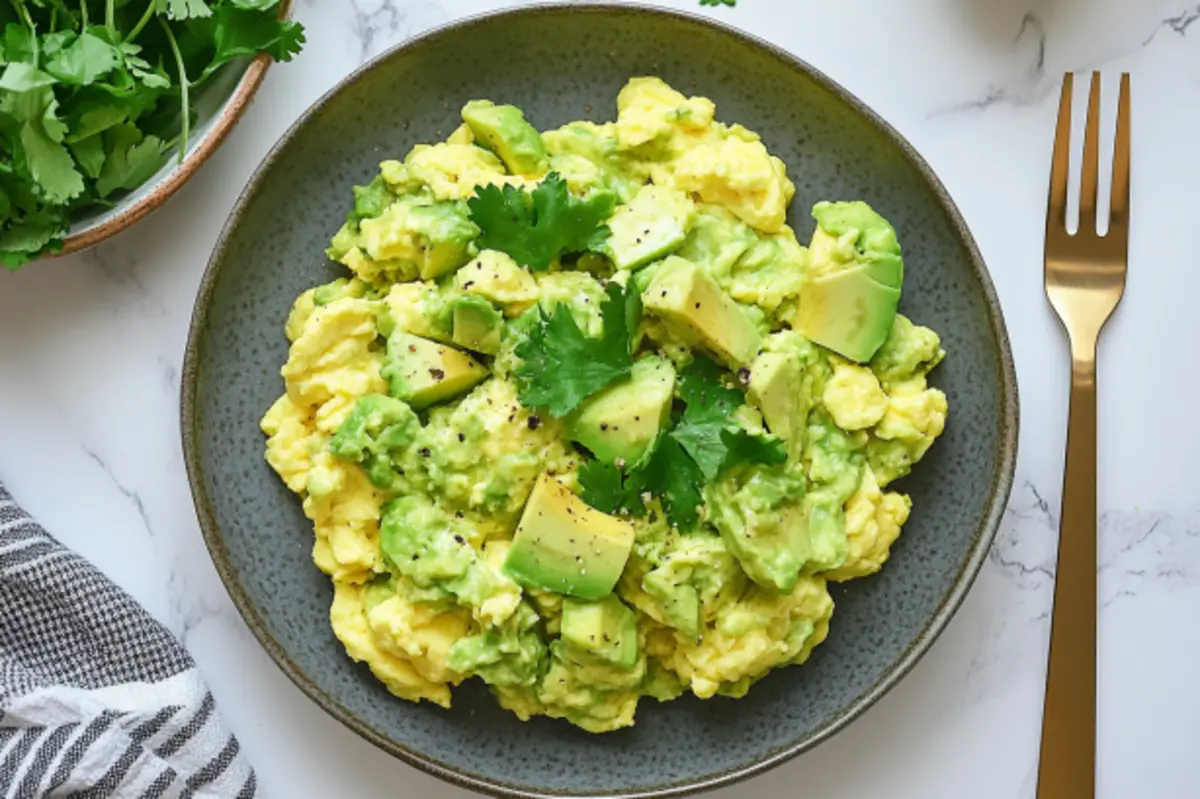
x,y
198,153
999,490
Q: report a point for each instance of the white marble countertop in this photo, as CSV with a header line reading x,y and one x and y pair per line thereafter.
x,y
90,350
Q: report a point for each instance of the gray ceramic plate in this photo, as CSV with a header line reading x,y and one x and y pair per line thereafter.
x,y
561,63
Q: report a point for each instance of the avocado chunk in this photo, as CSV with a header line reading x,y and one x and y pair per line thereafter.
x,y
565,546
776,389
477,325
621,422
760,516
854,281
438,238
504,131
687,298
652,225
499,279
606,629
422,372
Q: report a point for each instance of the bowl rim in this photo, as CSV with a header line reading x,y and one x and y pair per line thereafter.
x,y
222,125
999,490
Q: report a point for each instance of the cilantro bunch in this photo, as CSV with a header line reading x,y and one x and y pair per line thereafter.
x,y
701,443
94,94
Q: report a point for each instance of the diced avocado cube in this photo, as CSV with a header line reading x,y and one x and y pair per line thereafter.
x,y
504,131
422,372
437,237
679,602
621,422
777,390
477,325
685,296
847,312
854,280
652,225
606,629
499,279
565,546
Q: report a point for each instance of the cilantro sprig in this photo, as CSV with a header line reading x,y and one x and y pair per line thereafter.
x,y
700,445
562,366
539,226
94,94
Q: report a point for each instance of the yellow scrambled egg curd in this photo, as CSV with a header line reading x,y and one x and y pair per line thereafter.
x,y
873,522
393,668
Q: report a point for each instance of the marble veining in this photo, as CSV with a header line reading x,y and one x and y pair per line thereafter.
x,y
91,344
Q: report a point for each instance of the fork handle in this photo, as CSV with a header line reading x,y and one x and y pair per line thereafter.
x,y
1067,768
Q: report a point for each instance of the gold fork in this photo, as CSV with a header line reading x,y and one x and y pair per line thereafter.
x,y
1085,277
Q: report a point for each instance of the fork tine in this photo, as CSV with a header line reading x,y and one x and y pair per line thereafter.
x,y
1089,185
1059,167
1118,214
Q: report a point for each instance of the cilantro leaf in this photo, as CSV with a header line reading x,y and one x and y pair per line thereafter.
x,y
84,61
562,366
718,2
241,31
132,159
675,478
746,448
706,432
536,228
184,9
606,489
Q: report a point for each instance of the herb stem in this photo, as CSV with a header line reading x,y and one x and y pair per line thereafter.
x,y
84,14
145,20
185,109
110,18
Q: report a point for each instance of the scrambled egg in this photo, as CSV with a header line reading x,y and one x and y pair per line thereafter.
x,y
414,509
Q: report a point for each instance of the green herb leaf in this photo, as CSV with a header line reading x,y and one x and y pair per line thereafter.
x,y
706,431
90,154
675,478
605,488
184,9
242,32
21,77
132,159
86,60
536,228
562,366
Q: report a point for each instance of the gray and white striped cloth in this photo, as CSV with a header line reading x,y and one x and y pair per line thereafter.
x,y
97,699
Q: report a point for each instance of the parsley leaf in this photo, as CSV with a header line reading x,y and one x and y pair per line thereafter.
x,y
536,228
562,366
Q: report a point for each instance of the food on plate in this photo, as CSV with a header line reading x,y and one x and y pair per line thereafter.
x,y
95,94
587,422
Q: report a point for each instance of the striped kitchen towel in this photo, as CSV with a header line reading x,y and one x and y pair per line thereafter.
x,y
97,699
